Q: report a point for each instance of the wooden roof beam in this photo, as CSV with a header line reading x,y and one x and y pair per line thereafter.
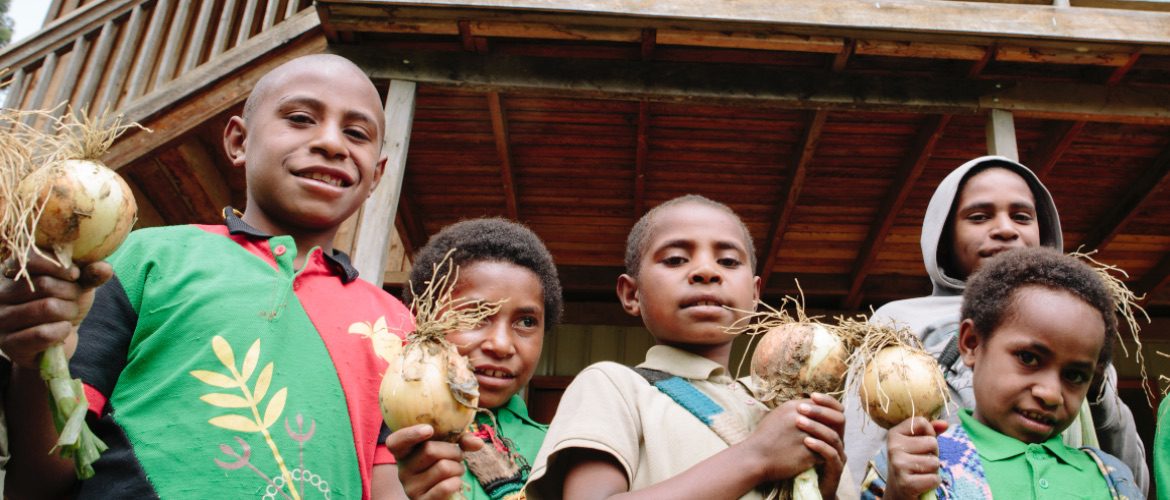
x,y
923,148
504,150
413,234
924,17
1152,180
1155,279
791,192
763,86
1059,138
641,157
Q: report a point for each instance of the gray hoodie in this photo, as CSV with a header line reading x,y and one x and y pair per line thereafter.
x,y
935,320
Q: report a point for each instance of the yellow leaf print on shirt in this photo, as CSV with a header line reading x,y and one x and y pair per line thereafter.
x,y
386,345
250,397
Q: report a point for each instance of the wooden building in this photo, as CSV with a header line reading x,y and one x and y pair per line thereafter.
x,y
825,124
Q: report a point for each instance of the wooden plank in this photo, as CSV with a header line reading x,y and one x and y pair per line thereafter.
x,y
927,50
378,212
1058,140
1127,206
223,32
144,64
82,22
911,16
44,78
758,40
1001,134
148,216
198,38
97,67
77,56
171,53
842,58
206,175
246,22
291,8
553,32
765,86
414,236
220,86
269,15
904,181
112,90
793,183
641,157
1155,280
15,89
1120,72
1033,54
503,149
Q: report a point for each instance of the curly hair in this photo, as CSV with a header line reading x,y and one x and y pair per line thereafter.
x,y
495,240
643,230
990,297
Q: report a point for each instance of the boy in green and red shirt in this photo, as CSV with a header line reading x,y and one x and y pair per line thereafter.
x,y
227,360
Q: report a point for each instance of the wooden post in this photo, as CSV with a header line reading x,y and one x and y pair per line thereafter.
x,y
377,219
1001,134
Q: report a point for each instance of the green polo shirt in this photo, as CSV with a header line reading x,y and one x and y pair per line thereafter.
x,y
1162,450
1015,469
525,434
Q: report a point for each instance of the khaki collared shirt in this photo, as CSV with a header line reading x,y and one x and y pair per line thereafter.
x,y
612,409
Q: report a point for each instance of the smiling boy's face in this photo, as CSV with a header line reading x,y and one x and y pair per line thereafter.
x,y
996,211
505,348
1033,371
694,266
310,145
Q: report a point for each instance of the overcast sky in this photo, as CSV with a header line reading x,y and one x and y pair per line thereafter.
x,y
28,16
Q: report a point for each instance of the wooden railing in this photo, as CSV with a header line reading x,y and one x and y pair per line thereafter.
x,y
114,54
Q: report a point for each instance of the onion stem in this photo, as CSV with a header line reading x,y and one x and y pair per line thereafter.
x,y
68,404
806,486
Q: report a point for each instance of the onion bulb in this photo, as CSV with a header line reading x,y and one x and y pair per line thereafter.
x,y
796,359
427,380
429,383
900,383
88,210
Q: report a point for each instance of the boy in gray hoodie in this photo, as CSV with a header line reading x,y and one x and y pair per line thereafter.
x,y
985,206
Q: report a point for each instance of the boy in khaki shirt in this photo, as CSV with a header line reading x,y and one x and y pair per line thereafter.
x,y
680,426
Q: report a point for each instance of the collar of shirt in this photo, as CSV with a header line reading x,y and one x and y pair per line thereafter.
x,y
516,407
338,260
684,364
994,446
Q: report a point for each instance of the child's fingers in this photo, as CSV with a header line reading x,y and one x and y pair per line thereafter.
x,y
442,491
825,452
469,442
23,346
402,442
819,431
442,472
834,418
827,401
95,274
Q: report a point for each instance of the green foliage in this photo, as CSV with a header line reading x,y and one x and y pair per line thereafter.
x,y
6,23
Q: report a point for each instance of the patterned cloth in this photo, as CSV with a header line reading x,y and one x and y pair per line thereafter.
x,y
215,368
511,438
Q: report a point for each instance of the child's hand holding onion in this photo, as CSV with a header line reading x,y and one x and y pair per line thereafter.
x,y
785,454
428,468
913,451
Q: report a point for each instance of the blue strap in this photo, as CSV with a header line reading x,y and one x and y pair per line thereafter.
x,y
725,425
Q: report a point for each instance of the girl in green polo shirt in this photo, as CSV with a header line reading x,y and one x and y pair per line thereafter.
x,y
1037,330
497,259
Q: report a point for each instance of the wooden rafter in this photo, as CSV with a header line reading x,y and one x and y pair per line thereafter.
x,y
413,234
1059,138
907,175
981,63
504,150
842,58
793,184
1119,73
649,41
1128,205
642,153
764,86
1155,279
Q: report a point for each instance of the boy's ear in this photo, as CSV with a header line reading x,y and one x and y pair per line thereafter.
x,y
235,137
379,169
627,291
969,342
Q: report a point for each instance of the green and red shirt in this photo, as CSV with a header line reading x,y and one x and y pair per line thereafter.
x,y
215,368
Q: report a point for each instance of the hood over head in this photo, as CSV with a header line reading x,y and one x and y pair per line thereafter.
x,y
938,214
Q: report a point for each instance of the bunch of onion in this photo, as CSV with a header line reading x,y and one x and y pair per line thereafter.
x,y
795,357
67,203
895,378
1127,304
428,381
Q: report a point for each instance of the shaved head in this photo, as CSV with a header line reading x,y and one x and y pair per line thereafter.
x,y
333,65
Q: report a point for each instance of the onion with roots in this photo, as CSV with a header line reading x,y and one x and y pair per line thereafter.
x,y
58,197
794,358
428,381
894,377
